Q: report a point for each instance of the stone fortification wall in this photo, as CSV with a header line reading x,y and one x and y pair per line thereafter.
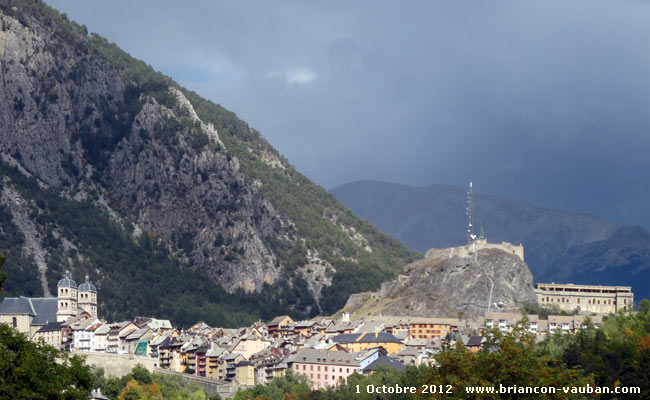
x,y
118,364
468,250
121,364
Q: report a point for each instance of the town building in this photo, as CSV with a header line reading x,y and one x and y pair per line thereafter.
x,y
28,314
356,342
571,323
101,337
83,339
278,326
323,368
585,298
505,321
51,334
429,328
245,373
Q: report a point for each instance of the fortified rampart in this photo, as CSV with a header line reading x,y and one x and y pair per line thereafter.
x,y
121,364
469,250
118,364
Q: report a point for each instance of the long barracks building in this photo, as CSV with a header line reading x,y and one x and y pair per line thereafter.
x,y
585,298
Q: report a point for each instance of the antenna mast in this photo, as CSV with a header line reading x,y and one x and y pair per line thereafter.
x,y
470,215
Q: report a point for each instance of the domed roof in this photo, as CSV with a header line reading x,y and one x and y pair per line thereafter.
x,y
67,281
87,286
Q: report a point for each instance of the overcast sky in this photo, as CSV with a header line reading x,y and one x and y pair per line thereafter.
x,y
544,101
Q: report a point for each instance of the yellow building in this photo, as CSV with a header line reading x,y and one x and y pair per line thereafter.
x,y
356,342
429,328
278,325
50,334
245,373
27,314
213,363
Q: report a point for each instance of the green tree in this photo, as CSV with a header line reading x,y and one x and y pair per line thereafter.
x,y
290,386
141,374
31,370
508,359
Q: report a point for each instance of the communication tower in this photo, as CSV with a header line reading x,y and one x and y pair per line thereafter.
x,y
471,237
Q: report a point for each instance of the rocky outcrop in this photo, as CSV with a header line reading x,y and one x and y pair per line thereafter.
x,y
444,285
65,103
196,196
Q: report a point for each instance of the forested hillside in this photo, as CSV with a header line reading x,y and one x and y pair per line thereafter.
x,y
174,206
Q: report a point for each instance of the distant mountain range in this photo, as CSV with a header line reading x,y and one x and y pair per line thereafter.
x,y
560,246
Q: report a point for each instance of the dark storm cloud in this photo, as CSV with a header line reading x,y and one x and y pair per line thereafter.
x,y
546,101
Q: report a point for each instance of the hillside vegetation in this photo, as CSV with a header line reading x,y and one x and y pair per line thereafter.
x,y
174,206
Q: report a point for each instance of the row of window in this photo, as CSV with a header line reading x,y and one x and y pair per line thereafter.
x,y
85,296
311,368
325,377
420,326
64,304
434,331
589,301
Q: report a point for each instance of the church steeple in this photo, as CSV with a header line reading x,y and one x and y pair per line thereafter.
x,y
66,298
88,297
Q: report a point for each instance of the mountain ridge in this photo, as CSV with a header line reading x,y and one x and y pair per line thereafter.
x,y
157,193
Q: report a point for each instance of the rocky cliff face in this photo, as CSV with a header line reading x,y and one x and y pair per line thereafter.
x,y
445,285
85,129
65,103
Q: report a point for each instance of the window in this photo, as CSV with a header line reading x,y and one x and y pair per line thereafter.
x,y
14,322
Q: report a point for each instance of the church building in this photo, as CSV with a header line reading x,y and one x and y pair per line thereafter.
x,y
29,314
